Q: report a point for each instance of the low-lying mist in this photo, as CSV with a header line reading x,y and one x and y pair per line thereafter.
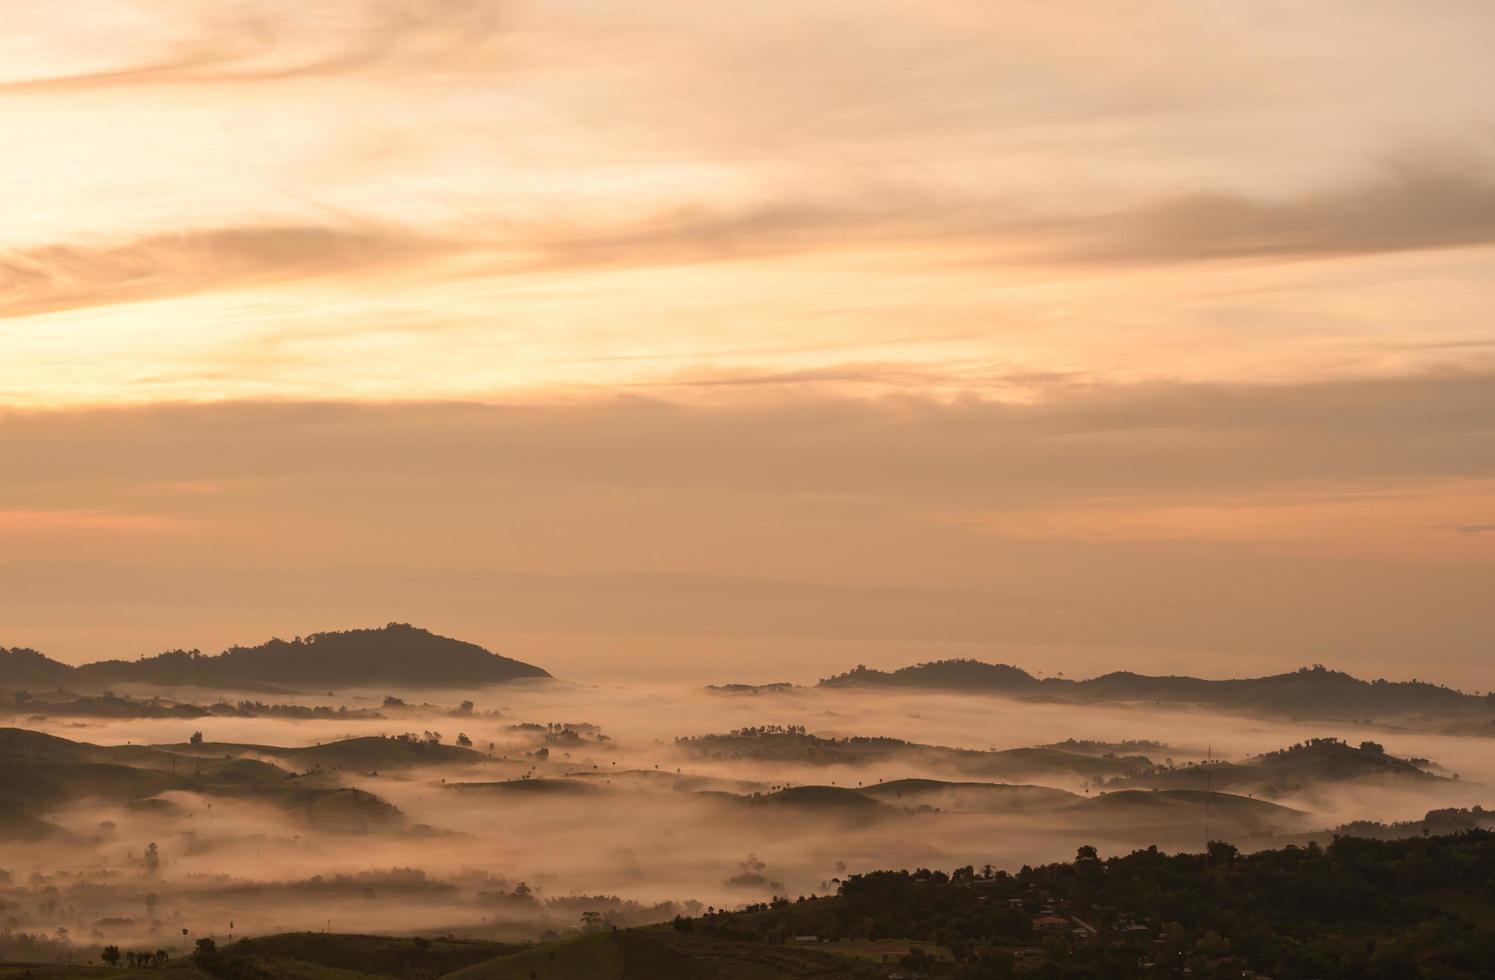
x,y
545,800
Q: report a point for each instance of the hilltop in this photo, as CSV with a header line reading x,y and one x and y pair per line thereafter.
x,y
396,654
1312,692
1315,762
792,744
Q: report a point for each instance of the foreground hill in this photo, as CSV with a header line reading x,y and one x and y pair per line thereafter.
x,y
1413,908
398,654
653,954
1419,907
1312,692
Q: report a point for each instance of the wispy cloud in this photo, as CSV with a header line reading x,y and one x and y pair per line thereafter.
x,y
1411,209
60,277
266,42
54,521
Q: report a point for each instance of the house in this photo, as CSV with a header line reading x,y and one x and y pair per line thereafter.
x,y
1050,923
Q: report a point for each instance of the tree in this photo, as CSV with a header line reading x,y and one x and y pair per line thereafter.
x,y
591,920
152,858
463,740
1219,852
196,738
110,955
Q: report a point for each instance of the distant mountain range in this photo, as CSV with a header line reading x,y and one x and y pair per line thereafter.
x,y
397,654
1315,692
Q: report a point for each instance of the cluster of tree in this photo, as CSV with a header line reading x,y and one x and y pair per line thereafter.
x,y
144,959
33,947
256,709
758,730
423,738
323,954
1360,908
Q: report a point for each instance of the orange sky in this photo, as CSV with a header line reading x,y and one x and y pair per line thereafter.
x,y
754,341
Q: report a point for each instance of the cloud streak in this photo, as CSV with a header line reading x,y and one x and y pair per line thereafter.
x,y
1411,209
62,277
268,42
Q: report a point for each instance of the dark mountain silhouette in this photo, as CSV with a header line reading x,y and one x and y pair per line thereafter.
x,y
397,654
1309,692
23,668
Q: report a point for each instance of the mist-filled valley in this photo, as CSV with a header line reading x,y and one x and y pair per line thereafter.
x,y
149,815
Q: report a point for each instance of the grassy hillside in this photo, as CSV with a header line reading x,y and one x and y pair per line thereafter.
x,y
656,954
1227,815
406,958
984,797
795,745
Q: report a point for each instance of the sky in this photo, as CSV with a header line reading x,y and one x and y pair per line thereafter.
x,y
667,339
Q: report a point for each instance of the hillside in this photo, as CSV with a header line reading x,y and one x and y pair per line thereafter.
x,y
1316,762
1358,908
1177,812
1312,692
40,772
654,954
397,654
792,744
979,797
23,668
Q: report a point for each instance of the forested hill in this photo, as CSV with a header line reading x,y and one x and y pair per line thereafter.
x,y
396,654
1309,691
1421,907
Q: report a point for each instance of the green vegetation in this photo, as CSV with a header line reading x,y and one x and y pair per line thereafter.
x,y
412,958
1412,908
